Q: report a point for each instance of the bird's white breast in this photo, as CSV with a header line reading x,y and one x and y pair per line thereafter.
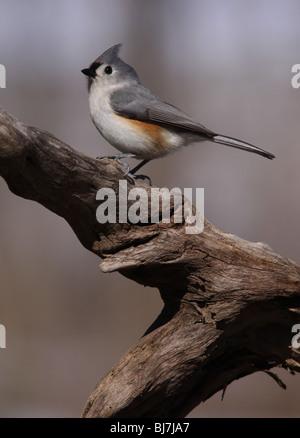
x,y
124,134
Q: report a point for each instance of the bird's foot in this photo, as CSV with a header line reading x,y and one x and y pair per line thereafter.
x,y
132,177
128,174
118,157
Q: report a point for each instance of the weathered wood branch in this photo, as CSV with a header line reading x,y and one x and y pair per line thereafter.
x,y
229,305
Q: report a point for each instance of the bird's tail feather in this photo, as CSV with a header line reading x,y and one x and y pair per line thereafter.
x,y
235,143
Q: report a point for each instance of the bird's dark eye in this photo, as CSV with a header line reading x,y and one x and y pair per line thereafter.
x,y
108,70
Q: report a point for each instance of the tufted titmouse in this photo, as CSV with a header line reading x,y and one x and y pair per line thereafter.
x,y
136,121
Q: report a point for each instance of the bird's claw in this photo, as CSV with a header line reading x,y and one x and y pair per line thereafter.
x,y
130,176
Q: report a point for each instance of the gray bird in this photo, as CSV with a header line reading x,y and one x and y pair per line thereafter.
x,y
136,121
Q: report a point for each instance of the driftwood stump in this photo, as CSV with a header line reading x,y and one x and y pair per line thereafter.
x,y
229,305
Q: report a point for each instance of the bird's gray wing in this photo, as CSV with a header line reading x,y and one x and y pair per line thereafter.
x,y
138,103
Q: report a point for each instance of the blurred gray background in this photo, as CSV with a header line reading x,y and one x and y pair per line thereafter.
x,y
225,62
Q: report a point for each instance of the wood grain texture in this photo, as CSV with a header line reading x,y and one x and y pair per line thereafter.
x,y
229,304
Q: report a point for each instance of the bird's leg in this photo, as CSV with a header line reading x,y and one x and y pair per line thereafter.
x,y
139,166
131,173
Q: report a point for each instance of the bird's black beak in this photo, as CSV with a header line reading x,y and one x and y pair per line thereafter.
x,y
89,72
